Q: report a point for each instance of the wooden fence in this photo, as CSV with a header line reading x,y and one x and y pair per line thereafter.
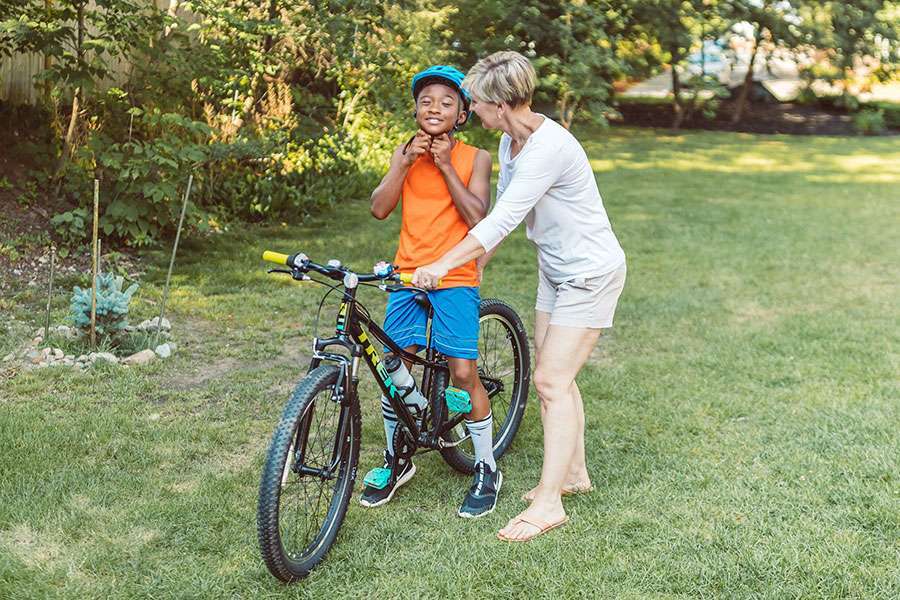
x,y
17,72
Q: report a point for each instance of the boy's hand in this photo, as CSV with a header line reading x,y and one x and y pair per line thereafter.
x,y
419,146
440,150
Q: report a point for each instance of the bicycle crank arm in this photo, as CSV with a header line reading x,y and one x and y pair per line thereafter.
x,y
492,386
445,444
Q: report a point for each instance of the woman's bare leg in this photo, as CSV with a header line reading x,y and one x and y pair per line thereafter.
x,y
563,352
578,479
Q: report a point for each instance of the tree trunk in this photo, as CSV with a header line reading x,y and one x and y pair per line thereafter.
x,y
77,101
676,104
172,12
748,81
48,59
566,110
73,122
268,42
351,106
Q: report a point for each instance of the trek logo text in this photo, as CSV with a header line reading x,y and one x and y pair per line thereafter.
x,y
379,366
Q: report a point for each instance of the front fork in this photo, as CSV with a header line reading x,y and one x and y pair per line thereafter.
x,y
343,392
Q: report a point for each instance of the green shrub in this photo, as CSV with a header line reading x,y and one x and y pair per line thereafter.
x,y
477,135
281,177
891,111
807,97
869,122
112,305
146,175
71,226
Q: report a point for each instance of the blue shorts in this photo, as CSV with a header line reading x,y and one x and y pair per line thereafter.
x,y
454,330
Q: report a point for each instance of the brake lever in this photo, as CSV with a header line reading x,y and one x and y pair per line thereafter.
x,y
297,275
396,287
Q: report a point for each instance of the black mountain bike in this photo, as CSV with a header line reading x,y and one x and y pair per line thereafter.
x,y
310,468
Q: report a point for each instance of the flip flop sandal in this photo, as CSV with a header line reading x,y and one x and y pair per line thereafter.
x,y
567,492
543,527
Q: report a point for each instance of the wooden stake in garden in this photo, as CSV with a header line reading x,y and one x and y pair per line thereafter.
x,y
162,308
94,248
49,294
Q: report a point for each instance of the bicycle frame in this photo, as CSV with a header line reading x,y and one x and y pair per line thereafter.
x,y
355,331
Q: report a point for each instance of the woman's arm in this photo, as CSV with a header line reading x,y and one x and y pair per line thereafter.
x,y
533,177
535,174
428,276
482,262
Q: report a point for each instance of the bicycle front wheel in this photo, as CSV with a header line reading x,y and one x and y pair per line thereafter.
x,y
308,477
504,366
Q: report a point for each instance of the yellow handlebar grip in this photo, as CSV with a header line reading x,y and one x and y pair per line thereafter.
x,y
275,257
407,278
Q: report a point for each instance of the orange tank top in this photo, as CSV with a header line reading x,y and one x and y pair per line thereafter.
x,y
431,224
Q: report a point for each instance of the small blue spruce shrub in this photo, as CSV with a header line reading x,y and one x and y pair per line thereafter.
x,y
112,305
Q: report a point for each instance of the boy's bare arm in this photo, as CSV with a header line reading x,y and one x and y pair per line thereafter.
x,y
472,202
386,196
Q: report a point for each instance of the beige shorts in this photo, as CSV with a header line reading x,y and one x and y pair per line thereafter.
x,y
583,302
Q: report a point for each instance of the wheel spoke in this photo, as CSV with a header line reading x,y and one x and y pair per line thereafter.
x,y
305,499
497,354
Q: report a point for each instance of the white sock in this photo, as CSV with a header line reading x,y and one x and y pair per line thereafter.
x,y
482,432
390,423
415,402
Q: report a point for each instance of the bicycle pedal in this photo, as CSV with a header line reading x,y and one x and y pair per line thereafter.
x,y
457,400
378,478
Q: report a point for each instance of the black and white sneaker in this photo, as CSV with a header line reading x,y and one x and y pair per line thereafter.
x,y
378,493
482,496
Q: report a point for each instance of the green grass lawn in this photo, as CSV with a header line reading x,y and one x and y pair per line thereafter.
x,y
742,417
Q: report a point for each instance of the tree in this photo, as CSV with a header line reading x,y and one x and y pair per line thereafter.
x,y
859,29
678,26
776,22
79,40
572,46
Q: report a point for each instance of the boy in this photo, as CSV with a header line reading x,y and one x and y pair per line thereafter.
x,y
445,186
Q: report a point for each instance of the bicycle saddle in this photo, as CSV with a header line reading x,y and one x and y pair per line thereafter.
x,y
422,299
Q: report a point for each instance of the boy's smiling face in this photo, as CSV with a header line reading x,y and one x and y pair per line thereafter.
x,y
438,109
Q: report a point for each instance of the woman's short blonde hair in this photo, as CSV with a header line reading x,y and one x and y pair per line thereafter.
x,y
504,76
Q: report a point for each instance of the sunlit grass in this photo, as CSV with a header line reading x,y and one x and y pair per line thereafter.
x,y
742,415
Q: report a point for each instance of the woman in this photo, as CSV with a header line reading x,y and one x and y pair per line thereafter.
x,y
546,180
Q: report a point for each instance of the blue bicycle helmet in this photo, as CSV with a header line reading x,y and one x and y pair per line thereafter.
x,y
442,74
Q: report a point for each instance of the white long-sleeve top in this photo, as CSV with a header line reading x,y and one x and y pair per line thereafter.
x,y
550,185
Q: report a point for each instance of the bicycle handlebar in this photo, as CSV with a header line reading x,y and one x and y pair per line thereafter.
x,y
275,257
301,261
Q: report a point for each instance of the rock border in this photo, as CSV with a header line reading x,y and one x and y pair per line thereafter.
x,y
33,356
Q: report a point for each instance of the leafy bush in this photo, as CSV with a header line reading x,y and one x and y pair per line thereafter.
x,y
112,305
869,122
71,226
266,178
891,111
147,173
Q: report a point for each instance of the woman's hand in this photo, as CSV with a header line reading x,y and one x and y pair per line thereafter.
x,y
428,276
480,263
440,151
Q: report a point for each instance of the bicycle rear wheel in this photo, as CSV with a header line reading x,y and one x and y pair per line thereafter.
x,y
308,477
504,366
